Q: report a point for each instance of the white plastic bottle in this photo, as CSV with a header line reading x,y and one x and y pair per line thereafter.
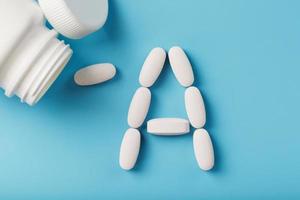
x,y
31,56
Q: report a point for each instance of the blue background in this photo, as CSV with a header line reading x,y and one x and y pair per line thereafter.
x,y
246,61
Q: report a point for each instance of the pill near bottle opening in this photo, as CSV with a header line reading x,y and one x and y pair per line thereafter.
x,y
152,67
95,74
168,126
139,107
195,107
181,66
130,149
203,149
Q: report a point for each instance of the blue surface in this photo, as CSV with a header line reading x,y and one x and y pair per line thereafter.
x,y
247,64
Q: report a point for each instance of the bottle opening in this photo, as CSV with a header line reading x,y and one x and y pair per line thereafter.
x,y
34,65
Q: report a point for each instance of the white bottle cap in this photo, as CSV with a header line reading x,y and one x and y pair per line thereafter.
x,y
75,18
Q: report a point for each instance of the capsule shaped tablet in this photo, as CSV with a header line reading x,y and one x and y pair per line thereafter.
x,y
181,66
168,126
95,74
195,107
139,107
130,149
203,149
152,67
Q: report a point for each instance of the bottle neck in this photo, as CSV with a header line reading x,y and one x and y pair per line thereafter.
x,y
34,64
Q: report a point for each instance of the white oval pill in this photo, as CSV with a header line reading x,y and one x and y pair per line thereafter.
x,y
139,107
181,66
95,74
203,149
152,67
130,149
168,126
195,107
